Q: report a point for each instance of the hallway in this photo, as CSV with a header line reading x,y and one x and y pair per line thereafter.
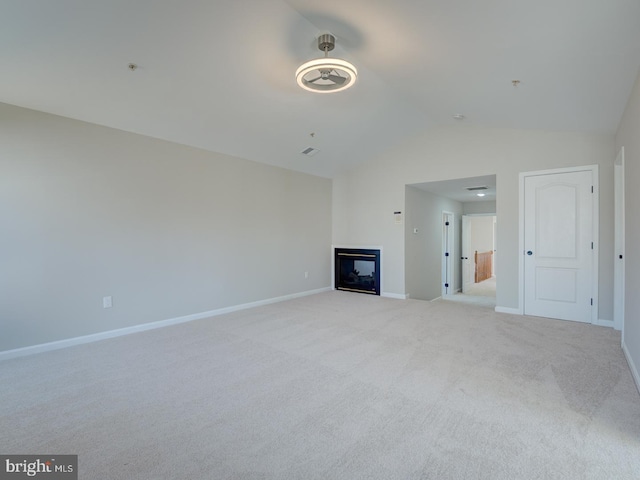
x,y
483,294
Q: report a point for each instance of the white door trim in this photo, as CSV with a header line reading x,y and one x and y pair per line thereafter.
x,y
448,246
595,233
465,253
619,229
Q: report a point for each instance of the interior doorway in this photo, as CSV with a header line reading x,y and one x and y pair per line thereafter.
x,y
478,259
431,259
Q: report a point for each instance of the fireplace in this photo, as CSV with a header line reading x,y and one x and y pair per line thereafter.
x,y
357,270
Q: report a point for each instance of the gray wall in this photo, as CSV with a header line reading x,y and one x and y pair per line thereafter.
x,y
628,136
167,230
376,189
470,208
423,260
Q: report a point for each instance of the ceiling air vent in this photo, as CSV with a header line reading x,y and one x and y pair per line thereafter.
x,y
473,189
310,151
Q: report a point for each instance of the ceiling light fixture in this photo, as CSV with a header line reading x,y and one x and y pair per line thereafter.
x,y
326,75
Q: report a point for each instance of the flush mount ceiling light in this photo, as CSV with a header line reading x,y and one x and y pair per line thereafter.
x,y
326,75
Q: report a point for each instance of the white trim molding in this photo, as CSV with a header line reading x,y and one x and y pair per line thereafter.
x,y
619,242
632,366
96,337
512,311
399,296
603,323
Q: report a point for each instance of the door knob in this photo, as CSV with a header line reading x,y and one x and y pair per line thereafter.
x,y
529,252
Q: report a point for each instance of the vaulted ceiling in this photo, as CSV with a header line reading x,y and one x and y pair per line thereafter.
x,y
219,74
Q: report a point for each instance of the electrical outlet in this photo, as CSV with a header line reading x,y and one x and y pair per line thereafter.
x,y
107,302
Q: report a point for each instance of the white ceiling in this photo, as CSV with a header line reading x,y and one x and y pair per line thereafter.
x,y
218,74
457,189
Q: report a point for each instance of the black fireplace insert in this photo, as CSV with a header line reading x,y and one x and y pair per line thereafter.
x,y
357,270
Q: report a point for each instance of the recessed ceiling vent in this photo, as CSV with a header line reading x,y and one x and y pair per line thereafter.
x,y
473,189
309,151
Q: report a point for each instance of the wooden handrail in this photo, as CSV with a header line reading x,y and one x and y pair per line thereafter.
x,y
483,265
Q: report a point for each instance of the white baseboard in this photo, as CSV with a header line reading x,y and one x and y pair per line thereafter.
x,y
439,298
513,311
604,323
632,366
69,342
400,296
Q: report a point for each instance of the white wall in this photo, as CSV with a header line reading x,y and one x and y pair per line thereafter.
x,y
167,230
470,208
481,238
628,136
367,196
423,262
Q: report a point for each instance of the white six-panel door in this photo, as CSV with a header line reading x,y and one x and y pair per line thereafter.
x,y
558,249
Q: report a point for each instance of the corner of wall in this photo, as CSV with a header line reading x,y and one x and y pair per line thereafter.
x,y
632,366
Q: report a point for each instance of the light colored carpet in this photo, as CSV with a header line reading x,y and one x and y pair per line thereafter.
x,y
334,386
486,288
481,294
487,302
